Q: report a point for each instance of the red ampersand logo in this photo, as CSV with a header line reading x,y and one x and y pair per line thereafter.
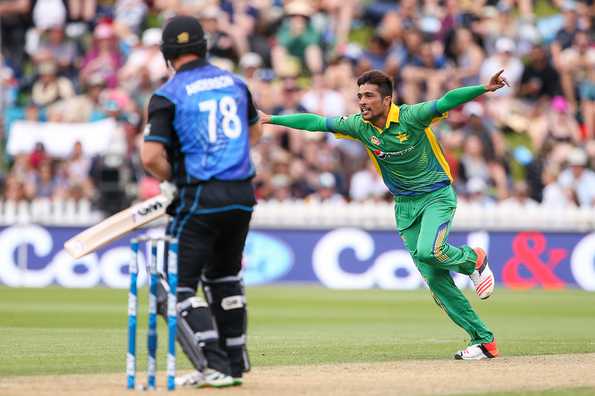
x,y
527,248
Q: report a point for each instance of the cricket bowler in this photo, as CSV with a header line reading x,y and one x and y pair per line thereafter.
x,y
410,160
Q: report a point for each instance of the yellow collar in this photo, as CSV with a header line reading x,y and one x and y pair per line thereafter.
x,y
393,116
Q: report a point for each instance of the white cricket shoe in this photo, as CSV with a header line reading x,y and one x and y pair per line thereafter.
x,y
208,379
190,379
482,277
488,350
216,379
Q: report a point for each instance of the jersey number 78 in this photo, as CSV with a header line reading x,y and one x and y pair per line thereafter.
x,y
230,123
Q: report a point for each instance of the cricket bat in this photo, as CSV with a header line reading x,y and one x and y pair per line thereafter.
x,y
116,226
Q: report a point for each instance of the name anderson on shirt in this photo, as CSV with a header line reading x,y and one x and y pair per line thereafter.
x,y
207,84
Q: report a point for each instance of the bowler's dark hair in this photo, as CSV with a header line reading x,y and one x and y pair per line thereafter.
x,y
379,78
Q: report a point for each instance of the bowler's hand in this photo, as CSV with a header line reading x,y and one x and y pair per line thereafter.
x,y
264,118
496,82
168,190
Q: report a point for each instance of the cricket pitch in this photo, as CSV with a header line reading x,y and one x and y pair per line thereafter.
x,y
406,377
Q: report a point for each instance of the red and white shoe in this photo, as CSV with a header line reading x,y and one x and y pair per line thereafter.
x,y
482,277
488,350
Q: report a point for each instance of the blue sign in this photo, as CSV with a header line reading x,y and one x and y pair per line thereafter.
x,y
267,258
351,258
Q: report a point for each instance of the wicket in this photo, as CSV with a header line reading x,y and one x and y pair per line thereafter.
x,y
172,282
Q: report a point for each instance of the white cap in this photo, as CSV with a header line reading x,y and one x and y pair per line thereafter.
x,y
222,63
280,180
299,7
475,185
103,31
568,5
504,44
327,180
47,67
473,109
577,157
152,37
211,12
250,59
49,13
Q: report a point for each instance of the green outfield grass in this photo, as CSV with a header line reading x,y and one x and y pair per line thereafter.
x,y
60,331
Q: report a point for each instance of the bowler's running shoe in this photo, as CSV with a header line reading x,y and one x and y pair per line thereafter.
x,y
488,350
208,379
482,277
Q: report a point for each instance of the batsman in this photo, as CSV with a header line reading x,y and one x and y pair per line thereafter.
x,y
200,124
407,155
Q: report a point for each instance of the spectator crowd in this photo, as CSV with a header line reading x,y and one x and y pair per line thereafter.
x,y
80,61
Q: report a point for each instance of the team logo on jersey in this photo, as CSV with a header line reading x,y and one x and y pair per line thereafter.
x,y
375,140
183,37
380,154
387,155
402,137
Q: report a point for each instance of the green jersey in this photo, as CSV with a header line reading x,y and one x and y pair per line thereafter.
x,y
406,151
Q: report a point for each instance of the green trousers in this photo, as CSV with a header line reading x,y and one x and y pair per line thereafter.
x,y
423,223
